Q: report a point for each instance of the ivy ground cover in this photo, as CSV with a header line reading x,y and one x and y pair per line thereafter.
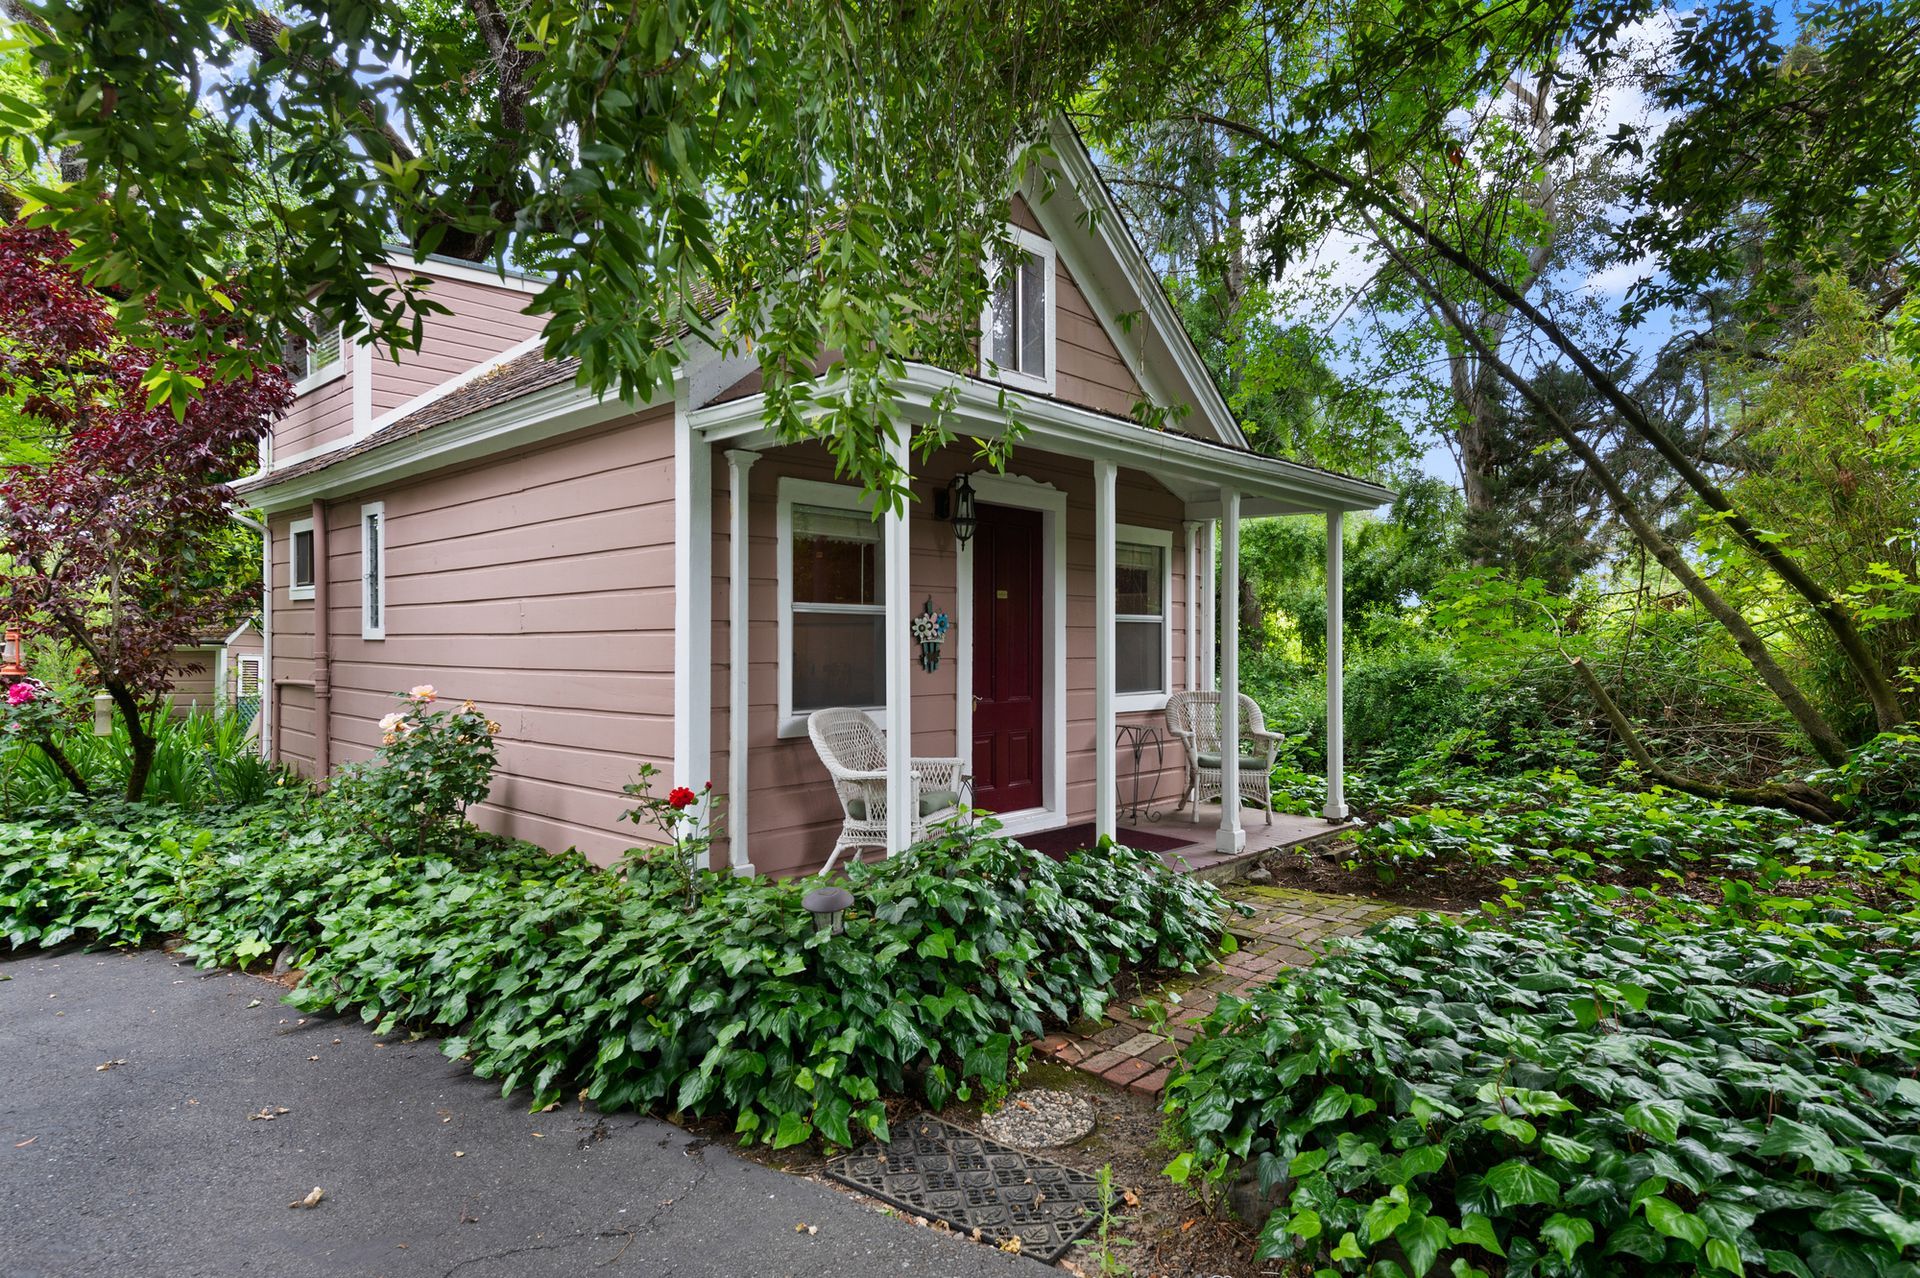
x,y
553,976
1578,1091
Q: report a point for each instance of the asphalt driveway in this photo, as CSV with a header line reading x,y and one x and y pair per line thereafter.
x,y
153,1165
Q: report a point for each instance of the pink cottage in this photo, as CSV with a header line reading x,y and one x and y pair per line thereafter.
x,y
666,583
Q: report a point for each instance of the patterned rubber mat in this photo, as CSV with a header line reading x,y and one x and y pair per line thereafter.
x,y
987,1191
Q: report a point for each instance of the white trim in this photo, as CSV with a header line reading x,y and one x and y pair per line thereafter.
x,y
1026,494
1210,610
1162,539
457,382
1191,531
1232,837
363,356
1336,809
220,679
1100,224
447,269
1191,468
739,659
692,600
295,590
265,719
1106,788
793,492
373,584
1040,250
897,572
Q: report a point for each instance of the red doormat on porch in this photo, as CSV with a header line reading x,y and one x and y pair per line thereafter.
x,y
1058,843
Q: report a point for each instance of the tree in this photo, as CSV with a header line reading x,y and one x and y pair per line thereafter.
x,y
114,539
808,178
1341,105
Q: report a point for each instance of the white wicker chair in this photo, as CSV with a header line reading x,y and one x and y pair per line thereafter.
x,y
1194,717
854,748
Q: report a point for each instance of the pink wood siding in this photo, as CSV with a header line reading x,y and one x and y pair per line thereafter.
x,y
541,586
794,814
485,321
318,417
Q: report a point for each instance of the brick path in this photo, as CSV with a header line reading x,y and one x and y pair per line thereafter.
x,y
1288,928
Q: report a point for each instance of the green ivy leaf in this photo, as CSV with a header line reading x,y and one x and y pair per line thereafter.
x,y
1422,1239
1566,1234
1660,1119
1478,1231
792,1130
1669,1218
1518,1183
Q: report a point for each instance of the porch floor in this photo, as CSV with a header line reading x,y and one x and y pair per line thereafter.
x,y
1203,856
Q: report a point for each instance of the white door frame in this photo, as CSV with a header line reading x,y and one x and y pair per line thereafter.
x,y
1025,494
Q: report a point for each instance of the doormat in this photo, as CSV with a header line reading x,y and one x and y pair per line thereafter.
x,y
1058,843
987,1191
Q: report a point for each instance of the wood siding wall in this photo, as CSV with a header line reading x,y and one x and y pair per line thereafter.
x,y
485,321
540,585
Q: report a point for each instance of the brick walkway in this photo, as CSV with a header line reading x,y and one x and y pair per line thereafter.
x,y
1288,928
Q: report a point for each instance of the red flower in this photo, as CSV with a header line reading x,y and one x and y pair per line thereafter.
x,y
680,797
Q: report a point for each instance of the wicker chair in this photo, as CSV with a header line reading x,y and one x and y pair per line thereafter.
x,y
854,748
1194,717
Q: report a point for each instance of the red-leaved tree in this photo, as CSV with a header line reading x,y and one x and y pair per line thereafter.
x,y
110,541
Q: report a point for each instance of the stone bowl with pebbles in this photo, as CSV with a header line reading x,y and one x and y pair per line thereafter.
x,y
1040,1118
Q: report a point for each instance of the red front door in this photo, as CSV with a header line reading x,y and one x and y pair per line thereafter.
x,y
1007,611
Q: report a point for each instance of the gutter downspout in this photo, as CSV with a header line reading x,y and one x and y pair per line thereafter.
x,y
322,648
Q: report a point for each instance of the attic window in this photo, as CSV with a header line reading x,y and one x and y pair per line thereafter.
x,y
310,363
1016,345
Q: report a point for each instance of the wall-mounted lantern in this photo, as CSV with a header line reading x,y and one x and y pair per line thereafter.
x,y
13,655
955,505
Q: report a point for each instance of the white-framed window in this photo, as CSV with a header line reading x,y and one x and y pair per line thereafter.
x,y
301,558
833,612
373,570
313,362
1016,332
1142,617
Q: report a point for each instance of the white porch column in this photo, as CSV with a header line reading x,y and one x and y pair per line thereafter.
x,y
739,659
692,606
899,597
1106,783
1232,837
1191,531
1336,809
1209,614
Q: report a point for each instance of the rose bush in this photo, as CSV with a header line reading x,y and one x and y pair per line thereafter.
x,y
431,767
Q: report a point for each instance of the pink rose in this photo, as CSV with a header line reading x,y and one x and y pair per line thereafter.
x,y
423,692
20,694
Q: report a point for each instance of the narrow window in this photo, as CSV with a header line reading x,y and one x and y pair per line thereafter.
x,y
1017,341
839,616
1141,642
373,571
300,559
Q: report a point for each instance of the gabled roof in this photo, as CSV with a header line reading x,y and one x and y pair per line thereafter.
x,y
1078,215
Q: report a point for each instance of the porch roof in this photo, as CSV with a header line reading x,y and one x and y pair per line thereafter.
x,y
1194,470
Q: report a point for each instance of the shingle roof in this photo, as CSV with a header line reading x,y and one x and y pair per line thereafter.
x,y
521,375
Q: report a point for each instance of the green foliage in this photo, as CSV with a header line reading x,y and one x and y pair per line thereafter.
x,y
1576,1092
432,765
552,976
202,760
1879,786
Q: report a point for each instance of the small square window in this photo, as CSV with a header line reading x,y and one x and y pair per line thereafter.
x,y
309,362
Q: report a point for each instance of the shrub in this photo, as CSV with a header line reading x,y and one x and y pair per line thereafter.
x,y
1573,1092
1401,700
432,765
552,976
1879,787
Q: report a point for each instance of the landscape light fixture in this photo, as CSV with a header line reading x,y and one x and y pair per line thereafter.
x,y
828,905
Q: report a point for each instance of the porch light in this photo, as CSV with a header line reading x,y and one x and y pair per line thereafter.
x,y
828,905
960,506
13,657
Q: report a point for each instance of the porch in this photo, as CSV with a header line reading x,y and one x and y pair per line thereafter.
x,y
1095,497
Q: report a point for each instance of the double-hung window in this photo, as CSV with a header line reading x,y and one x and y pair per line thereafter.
x,y
310,362
300,559
1142,639
1016,345
832,607
373,571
